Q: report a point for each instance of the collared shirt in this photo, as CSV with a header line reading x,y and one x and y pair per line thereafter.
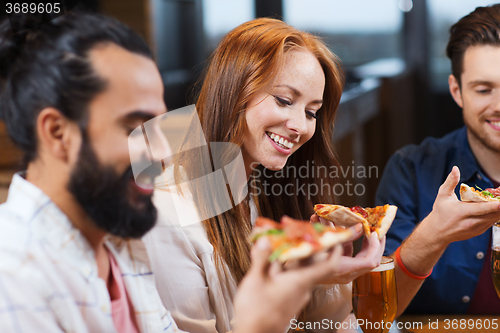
x,y
411,181
188,279
121,308
48,272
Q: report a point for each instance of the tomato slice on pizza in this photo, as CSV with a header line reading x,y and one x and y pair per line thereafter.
x,y
470,194
378,219
293,239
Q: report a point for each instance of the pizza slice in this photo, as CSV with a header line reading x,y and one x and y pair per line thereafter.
x,y
292,239
378,219
470,194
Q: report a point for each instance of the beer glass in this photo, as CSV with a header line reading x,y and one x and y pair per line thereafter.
x,y
495,256
375,299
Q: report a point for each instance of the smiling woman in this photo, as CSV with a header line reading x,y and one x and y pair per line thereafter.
x,y
272,91
282,118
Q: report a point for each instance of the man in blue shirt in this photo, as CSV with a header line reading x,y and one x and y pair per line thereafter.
x,y
433,230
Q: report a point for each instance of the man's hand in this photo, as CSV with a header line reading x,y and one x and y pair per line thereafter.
x,y
268,297
452,220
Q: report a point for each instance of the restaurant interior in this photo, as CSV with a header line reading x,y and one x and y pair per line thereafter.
x,y
393,51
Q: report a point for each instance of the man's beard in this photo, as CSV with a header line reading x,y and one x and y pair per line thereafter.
x,y
482,137
104,195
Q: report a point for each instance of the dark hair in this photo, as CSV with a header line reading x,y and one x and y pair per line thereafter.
x,y
49,66
480,27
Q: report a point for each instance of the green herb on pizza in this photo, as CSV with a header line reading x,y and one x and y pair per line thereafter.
x,y
292,239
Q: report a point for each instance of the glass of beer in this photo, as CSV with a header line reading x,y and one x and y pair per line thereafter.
x,y
375,299
495,256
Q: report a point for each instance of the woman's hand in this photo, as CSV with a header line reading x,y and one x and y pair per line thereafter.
x,y
357,229
269,296
349,268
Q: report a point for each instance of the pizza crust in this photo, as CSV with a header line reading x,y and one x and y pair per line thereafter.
x,y
330,239
386,223
303,250
468,195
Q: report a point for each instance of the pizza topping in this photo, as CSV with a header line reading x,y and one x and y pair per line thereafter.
x,y
489,192
471,194
319,227
359,210
301,231
375,216
494,191
266,233
321,209
378,219
294,237
279,251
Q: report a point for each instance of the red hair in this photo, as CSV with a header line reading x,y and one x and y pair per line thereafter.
x,y
246,60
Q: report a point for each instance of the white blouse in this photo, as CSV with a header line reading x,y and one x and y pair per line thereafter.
x,y
199,299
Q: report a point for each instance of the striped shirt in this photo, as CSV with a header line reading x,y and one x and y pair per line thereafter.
x,y
48,272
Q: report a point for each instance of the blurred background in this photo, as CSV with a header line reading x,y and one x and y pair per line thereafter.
x,y
393,52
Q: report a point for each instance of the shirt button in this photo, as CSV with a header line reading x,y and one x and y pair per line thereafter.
x,y
466,299
480,255
479,176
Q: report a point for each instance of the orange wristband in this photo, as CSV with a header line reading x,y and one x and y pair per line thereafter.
x,y
405,270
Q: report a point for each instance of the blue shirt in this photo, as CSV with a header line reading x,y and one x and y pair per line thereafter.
x,y
411,181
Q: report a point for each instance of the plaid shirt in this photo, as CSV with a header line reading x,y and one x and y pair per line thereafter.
x,y
48,272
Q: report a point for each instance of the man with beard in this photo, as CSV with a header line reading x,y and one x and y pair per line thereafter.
x,y
442,235
71,259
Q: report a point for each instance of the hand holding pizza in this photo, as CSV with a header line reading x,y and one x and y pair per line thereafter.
x,y
350,268
347,246
269,289
453,220
449,221
368,258
377,219
293,241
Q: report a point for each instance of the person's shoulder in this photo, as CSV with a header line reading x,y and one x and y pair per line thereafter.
x,y
26,268
12,226
431,146
17,240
